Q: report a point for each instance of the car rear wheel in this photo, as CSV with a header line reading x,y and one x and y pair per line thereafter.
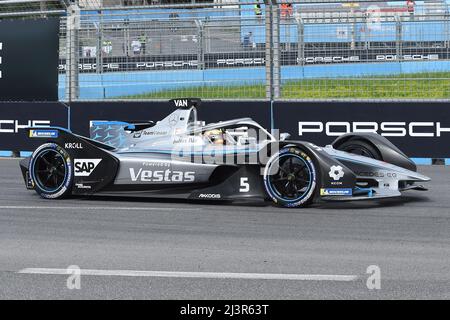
x,y
360,147
290,178
51,171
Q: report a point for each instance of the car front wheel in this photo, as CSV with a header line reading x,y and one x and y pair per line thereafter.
x,y
290,178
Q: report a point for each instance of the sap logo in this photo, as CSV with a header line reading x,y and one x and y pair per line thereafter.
x,y
13,126
160,176
181,103
73,145
386,129
209,195
85,167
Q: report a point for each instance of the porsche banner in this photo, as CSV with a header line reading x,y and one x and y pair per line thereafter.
x,y
29,59
420,129
15,117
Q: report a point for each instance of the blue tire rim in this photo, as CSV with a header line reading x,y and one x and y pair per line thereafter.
x,y
293,179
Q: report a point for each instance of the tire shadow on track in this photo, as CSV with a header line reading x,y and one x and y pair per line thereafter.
x,y
346,205
372,204
169,201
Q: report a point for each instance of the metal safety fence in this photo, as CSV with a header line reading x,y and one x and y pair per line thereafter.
x,y
272,50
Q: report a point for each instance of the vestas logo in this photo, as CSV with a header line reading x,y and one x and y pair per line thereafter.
x,y
160,176
181,103
85,167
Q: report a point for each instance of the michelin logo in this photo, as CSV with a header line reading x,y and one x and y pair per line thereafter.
x,y
336,192
43,133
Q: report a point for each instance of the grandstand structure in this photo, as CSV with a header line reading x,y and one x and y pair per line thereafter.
x,y
248,49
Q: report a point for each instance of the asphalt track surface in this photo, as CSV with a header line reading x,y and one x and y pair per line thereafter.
x,y
149,249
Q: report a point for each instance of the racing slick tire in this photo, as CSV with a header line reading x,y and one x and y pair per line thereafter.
x,y
51,171
290,178
361,148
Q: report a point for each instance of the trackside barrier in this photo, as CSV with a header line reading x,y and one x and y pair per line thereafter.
x,y
420,129
16,116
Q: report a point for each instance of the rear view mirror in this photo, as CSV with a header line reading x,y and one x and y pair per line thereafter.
x,y
284,136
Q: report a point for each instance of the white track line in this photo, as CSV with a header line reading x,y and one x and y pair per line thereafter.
x,y
205,275
95,208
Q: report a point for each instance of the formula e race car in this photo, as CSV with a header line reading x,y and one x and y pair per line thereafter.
x,y
182,157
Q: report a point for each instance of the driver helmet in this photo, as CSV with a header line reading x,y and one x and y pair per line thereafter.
x,y
215,135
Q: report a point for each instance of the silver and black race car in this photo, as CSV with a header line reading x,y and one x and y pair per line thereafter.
x,y
182,157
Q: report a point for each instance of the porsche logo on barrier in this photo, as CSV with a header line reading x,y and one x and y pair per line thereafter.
x,y
386,129
14,126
